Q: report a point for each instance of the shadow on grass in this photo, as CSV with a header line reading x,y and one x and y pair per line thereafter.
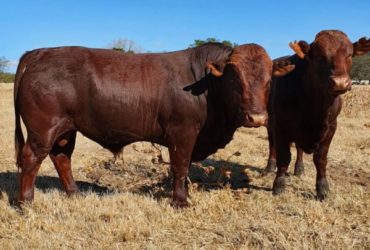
x,y
9,185
209,175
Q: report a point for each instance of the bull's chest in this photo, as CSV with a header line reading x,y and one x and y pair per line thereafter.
x,y
210,139
309,136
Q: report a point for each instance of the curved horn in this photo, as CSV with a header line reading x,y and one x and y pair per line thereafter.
x,y
297,49
213,70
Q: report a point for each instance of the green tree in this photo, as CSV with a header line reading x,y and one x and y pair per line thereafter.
x,y
361,68
199,42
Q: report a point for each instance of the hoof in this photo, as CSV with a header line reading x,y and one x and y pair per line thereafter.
x,y
299,169
74,193
322,189
271,167
179,204
19,205
279,185
16,204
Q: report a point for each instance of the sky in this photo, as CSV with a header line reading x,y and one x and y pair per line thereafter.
x,y
162,25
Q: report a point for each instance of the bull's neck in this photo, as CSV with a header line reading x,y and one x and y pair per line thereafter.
x,y
319,100
227,108
220,124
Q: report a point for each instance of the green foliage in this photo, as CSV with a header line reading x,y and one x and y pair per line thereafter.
x,y
211,40
118,49
361,68
124,51
6,77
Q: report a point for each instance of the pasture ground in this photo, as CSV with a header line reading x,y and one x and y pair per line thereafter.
x,y
125,203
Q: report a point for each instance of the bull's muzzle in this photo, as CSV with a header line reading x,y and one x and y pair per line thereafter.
x,y
340,84
256,120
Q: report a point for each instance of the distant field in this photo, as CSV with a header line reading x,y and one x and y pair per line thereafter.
x,y
125,203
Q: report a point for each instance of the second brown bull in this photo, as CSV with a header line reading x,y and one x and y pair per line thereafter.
x,y
305,103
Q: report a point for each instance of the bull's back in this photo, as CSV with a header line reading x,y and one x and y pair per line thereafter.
x,y
108,96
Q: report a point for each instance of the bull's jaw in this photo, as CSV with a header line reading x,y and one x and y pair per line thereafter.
x,y
252,125
338,92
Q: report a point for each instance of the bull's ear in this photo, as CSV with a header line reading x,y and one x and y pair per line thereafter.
x,y
282,67
211,68
361,47
301,48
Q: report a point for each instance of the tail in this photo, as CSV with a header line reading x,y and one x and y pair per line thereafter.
x,y
18,134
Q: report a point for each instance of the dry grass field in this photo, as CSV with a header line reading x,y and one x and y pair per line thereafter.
x,y
125,203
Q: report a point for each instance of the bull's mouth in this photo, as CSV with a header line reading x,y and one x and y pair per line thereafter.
x,y
338,92
248,124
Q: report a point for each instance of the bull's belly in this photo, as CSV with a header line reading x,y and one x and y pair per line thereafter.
x,y
113,134
307,144
302,134
308,149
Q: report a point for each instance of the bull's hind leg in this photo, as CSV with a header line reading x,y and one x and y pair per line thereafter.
x,y
42,132
31,158
61,154
299,167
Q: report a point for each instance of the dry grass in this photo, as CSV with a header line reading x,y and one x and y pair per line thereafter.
x,y
127,206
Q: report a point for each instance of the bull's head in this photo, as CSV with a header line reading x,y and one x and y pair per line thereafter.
x,y
330,59
249,71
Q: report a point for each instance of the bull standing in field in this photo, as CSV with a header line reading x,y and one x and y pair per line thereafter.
x,y
305,103
191,101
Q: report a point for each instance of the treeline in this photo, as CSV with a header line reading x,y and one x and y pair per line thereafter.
x,y
360,67
5,76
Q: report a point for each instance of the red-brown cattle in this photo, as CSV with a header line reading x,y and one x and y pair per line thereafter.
x,y
305,103
191,101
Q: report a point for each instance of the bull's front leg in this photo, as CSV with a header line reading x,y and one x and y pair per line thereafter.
x,y
283,158
181,142
271,163
320,160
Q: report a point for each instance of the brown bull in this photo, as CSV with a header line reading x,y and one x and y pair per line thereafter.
x,y
305,103
191,101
